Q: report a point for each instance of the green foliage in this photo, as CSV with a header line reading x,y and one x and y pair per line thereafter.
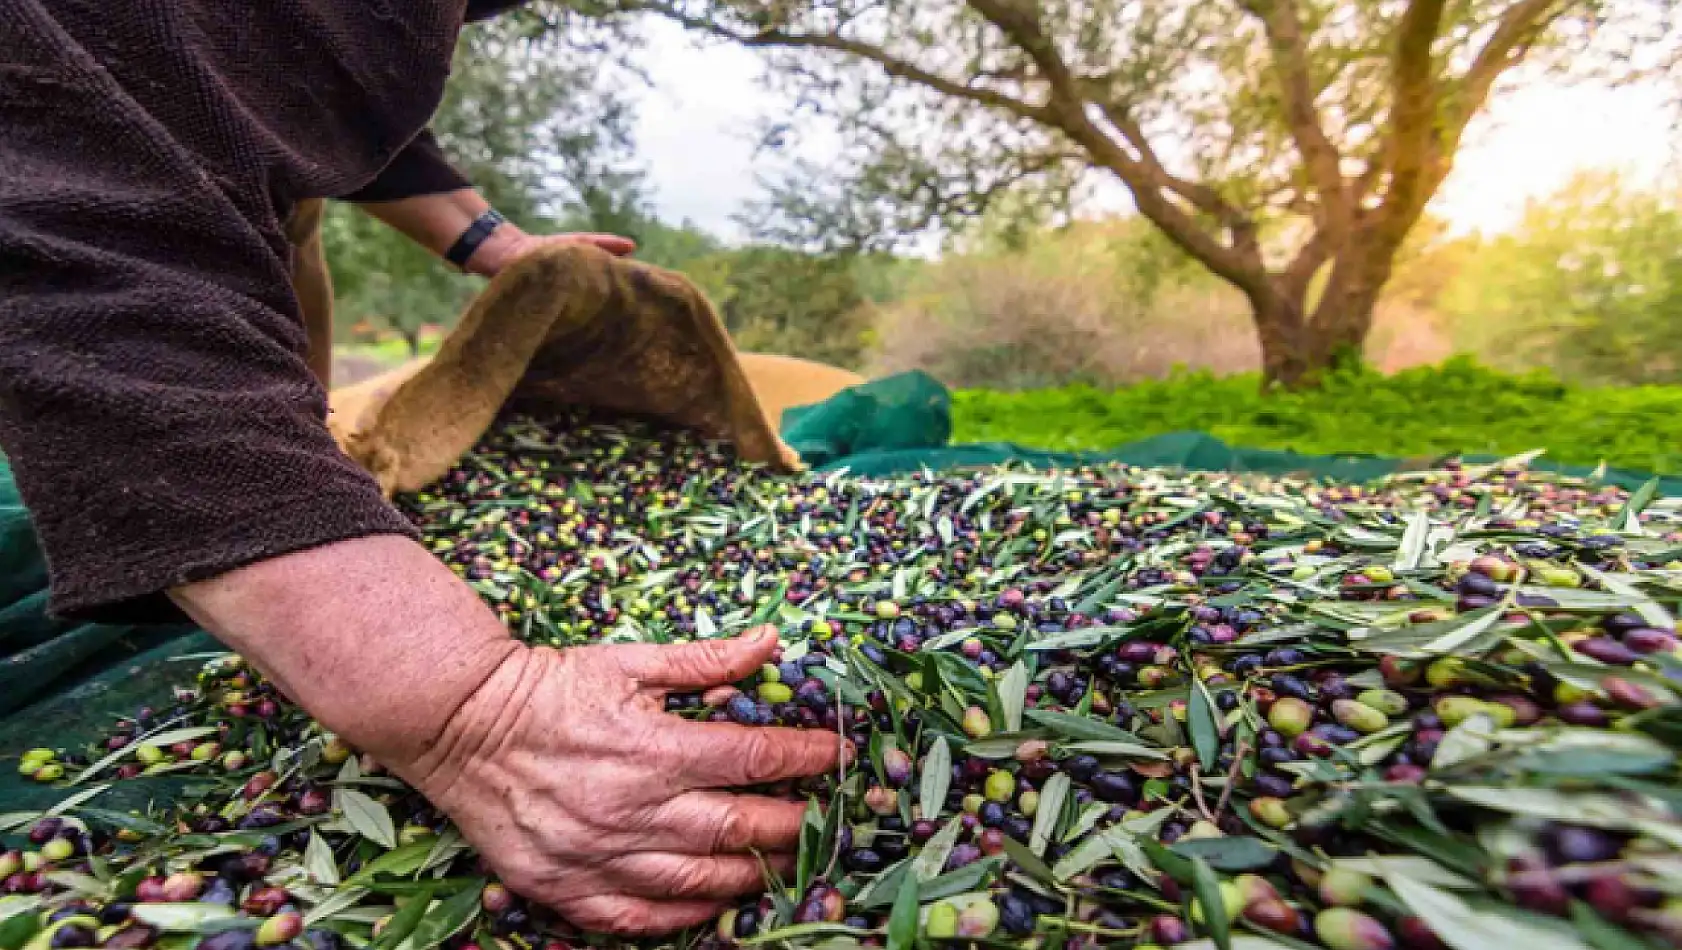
x,y
381,280
1589,285
775,300
1458,407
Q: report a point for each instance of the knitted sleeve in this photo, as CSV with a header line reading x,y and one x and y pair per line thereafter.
x,y
154,401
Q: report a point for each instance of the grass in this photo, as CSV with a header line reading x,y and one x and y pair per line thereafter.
x,y
1457,407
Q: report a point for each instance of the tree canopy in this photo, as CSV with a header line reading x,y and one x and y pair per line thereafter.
x,y
1287,145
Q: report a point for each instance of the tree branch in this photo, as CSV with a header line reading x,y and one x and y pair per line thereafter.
x,y
1299,273
1414,98
1518,28
1200,196
892,65
1290,61
1144,177
1427,129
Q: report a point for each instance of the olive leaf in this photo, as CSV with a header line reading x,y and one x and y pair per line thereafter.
x,y
796,931
446,919
1013,694
1075,727
1088,819
1201,723
1241,942
1462,927
1411,551
1028,861
18,920
1131,750
1074,639
370,819
1102,594
1473,737
950,638
811,834
85,884
1421,869
16,819
902,923
963,880
1084,856
1207,887
1228,854
81,797
1649,609
1628,519
1600,811
1049,812
881,889
404,922
928,865
397,863
1001,746
1600,933
319,862
445,849
1432,639
181,918
342,899
936,779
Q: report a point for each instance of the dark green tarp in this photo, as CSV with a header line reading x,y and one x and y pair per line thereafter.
x,y
61,683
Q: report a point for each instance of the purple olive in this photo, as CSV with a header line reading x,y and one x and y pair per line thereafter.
x,y
1650,640
1114,787
1573,844
1606,650
1583,714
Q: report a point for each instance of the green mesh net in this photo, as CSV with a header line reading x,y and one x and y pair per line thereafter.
x,y
61,683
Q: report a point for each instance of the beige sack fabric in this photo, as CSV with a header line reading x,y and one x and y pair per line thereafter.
x,y
567,326
778,382
783,382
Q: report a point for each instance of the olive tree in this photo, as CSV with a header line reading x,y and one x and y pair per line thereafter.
x,y
1287,145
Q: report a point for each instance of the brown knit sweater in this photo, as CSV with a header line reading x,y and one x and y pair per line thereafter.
x,y
154,400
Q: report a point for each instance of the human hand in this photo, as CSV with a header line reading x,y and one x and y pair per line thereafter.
x,y
583,793
562,768
508,244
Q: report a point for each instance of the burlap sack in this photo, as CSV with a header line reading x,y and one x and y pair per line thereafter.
x,y
572,326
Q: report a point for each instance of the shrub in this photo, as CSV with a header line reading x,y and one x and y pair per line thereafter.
x,y
1078,306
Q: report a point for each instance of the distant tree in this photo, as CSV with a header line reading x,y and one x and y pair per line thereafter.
x,y
1284,144
778,300
1589,284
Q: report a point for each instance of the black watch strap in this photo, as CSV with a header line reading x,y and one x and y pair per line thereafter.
x,y
474,236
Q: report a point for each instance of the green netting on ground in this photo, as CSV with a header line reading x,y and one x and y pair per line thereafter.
x,y
60,683
902,424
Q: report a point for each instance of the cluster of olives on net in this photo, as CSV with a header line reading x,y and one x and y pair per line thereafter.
x,y
579,531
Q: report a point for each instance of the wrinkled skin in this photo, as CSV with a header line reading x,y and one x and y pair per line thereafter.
x,y
562,768
584,794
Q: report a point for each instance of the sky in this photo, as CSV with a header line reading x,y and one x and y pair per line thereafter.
x,y
695,131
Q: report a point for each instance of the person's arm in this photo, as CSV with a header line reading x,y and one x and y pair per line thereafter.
x,y
563,768
168,437
435,221
424,197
